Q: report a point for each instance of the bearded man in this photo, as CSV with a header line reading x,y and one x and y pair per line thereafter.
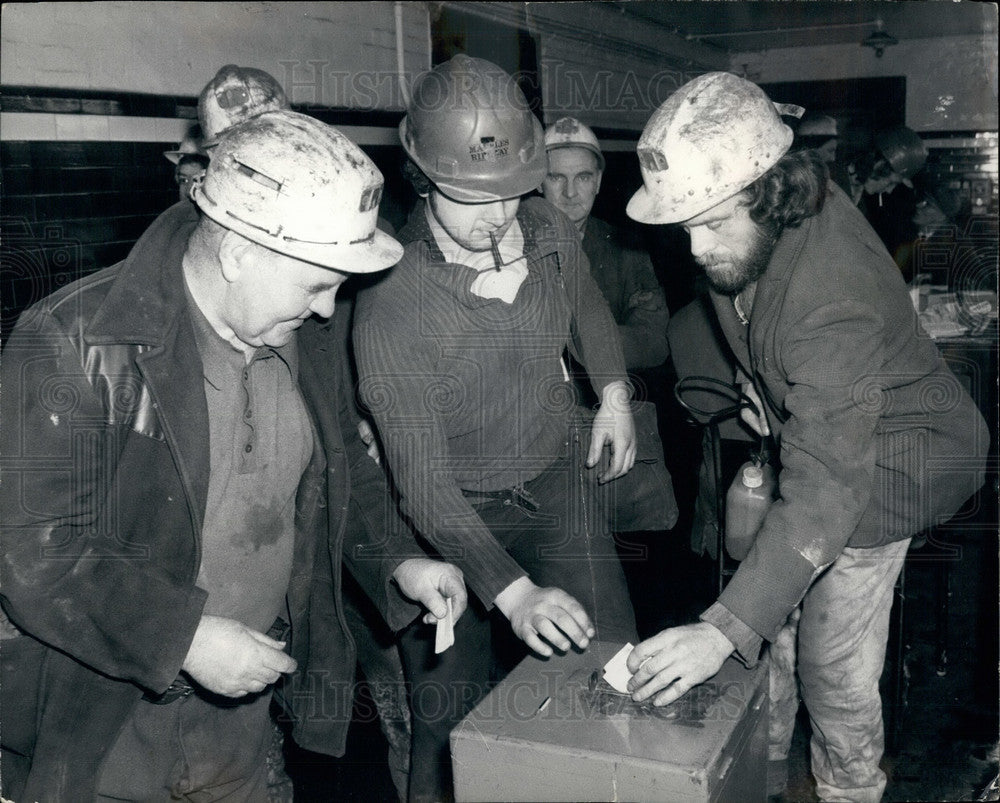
x,y
877,439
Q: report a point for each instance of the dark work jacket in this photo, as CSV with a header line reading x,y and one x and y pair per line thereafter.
x,y
621,270
106,469
878,439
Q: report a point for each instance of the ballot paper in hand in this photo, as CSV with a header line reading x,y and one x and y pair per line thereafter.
x,y
616,672
445,635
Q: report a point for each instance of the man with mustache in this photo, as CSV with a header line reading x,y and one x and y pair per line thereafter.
x,y
866,414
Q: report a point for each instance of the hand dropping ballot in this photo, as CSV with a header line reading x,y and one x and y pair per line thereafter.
x,y
445,635
616,672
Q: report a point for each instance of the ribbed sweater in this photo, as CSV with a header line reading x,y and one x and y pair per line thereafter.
x,y
469,392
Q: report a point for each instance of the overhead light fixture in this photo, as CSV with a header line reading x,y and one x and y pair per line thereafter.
x,y
878,40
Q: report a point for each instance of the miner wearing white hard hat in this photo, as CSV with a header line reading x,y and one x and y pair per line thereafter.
x,y
189,160
232,97
842,377
622,271
459,354
818,132
191,458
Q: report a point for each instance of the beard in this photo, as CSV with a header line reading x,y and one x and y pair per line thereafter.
x,y
730,276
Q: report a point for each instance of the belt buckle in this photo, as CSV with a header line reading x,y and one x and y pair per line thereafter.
x,y
279,629
524,500
177,690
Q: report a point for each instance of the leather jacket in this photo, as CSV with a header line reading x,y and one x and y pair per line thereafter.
x,y
106,467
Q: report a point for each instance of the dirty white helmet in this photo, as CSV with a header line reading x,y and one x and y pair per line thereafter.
x,y
299,187
708,141
189,146
817,125
234,95
568,132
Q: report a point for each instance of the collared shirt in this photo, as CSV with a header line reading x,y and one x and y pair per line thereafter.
x,y
260,442
494,281
743,303
475,398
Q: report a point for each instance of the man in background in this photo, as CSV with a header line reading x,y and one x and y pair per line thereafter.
x,y
189,161
622,271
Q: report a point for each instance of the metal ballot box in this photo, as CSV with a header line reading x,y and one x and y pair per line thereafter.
x,y
555,730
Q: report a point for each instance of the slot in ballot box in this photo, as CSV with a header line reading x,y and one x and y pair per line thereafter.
x,y
555,730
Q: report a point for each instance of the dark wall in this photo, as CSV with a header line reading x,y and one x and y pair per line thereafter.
x,y
668,246
70,208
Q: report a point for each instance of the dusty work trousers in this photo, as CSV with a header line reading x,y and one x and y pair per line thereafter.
x,y
841,642
380,662
563,542
382,666
191,749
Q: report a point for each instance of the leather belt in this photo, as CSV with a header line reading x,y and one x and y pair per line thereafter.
x,y
517,496
177,690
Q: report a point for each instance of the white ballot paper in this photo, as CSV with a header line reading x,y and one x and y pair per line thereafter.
x,y
616,672
445,635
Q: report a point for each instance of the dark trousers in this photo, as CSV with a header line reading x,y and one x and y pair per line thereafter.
x,y
560,537
198,748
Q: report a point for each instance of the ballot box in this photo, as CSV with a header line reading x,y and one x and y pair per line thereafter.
x,y
555,730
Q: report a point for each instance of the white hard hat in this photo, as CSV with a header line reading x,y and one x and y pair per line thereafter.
x,y
568,132
189,146
708,141
299,187
817,125
235,95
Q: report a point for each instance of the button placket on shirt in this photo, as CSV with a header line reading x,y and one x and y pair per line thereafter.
x,y
248,460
